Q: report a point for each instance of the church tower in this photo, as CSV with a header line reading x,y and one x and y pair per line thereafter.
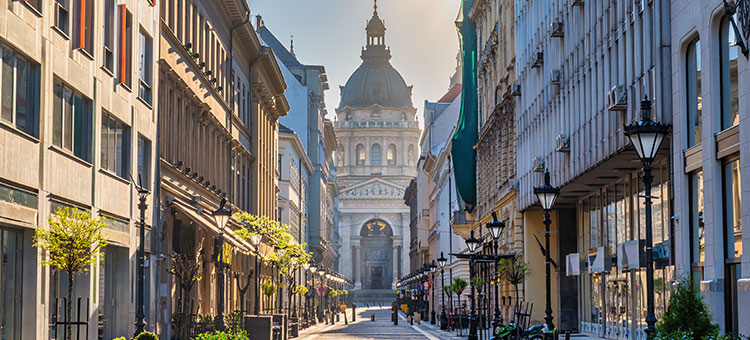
x,y
378,137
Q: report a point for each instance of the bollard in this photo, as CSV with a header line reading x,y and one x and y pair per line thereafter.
x,y
372,317
567,335
354,312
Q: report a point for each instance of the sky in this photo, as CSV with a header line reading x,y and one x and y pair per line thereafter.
x,y
421,34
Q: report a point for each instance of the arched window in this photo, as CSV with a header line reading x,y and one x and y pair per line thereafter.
x,y
694,96
375,154
360,154
391,154
730,110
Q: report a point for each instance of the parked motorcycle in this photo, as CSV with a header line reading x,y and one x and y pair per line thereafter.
x,y
512,332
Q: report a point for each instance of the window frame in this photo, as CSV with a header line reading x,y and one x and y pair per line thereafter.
x,y
32,83
360,151
725,31
62,28
725,195
144,161
71,127
145,67
694,111
114,128
109,44
379,159
696,200
83,27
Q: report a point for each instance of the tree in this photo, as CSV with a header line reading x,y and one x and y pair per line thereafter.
x,y
185,269
478,282
515,272
72,243
458,286
687,313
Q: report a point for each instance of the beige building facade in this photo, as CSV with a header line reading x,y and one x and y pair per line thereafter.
x,y
78,127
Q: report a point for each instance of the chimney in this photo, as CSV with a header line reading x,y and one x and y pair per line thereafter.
x,y
259,22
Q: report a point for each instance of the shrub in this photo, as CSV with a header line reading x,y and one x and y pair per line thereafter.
x,y
218,335
146,336
685,303
120,338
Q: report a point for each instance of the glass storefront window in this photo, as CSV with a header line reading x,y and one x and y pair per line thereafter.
x,y
732,209
11,247
698,242
730,107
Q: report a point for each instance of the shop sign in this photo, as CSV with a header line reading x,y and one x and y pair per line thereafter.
x,y
599,260
573,264
661,251
631,255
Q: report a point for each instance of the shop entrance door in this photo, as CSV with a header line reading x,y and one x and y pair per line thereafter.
x,y
618,307
376,277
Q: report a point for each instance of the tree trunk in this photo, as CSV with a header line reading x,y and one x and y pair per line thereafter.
x,y
69,313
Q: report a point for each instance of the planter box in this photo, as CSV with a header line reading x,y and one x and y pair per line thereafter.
x,y
259,327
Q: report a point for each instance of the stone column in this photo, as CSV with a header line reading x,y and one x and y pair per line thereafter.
x,y
395,263
356,267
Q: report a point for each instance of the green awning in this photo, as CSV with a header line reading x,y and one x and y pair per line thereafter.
x,y
464,156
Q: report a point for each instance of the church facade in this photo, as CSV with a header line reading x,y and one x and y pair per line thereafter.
x,y
378,136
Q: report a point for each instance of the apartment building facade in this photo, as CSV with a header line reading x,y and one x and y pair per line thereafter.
x,y
711,154
582,69
78,129
222,92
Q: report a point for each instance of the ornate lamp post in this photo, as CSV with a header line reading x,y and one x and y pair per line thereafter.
x,y
442,261
140,313
496,228
221,215
647,136
433,269
255,241
472,244
313,269
547,194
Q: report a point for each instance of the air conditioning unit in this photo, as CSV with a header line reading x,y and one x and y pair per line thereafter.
x,y
537,164
617,98
554,77
557,29
577,3
563,143
515,89
538,60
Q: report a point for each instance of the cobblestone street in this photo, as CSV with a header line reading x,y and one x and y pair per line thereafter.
x,y
381,328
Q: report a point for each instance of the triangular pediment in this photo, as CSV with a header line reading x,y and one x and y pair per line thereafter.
x,y
374,188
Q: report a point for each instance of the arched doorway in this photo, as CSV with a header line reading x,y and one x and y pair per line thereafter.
x,y
377,255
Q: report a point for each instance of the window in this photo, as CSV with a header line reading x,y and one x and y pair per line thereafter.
x,y
698,242
360,154
109,35
375,154
730,108
391,154
115,145
35,4
11,286
694,98
732,209
71,121
145,58
19,88
83,29
144,161
62,9
280,165
126,45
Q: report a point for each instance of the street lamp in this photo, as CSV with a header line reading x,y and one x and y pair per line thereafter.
x,y
442,261
547,194
472,244
433,268
221,215
140,314
496,228
313,269
647,136
255,241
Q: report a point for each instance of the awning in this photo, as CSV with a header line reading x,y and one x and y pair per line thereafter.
x,y
207,221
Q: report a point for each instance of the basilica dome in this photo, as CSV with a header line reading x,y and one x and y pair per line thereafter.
x,y
376,81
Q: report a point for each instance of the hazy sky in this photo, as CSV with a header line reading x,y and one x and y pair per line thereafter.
x,y
421,35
